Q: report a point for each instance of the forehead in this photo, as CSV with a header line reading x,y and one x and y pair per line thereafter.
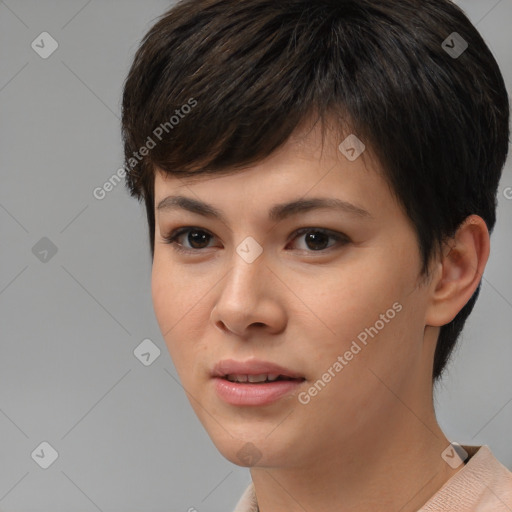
x,y
307,165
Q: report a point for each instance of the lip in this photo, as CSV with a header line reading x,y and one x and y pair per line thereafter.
x,y
239,394
251,367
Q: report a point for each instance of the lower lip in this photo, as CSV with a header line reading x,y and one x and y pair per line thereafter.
x,y
236,393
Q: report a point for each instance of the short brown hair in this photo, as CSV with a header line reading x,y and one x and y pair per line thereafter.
x,y
256,69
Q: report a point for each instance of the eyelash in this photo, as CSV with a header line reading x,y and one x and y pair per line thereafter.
x,y
174,235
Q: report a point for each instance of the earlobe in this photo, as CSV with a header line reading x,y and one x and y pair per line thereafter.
x,y
459,271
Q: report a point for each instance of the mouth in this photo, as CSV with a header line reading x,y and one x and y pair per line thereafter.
x,y
254,383
255,370
258,379
262,378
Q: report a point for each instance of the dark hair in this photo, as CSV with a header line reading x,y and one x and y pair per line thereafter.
x,y
217,85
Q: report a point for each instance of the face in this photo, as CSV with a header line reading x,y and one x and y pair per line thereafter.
x,y
329,294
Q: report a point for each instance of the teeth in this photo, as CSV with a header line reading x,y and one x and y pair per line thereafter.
x,y
253,378
257,378
237,378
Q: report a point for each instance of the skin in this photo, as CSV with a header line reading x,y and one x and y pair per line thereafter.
x,y
369,440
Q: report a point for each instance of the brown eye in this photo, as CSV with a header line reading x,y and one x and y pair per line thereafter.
x,y
197,239
317,240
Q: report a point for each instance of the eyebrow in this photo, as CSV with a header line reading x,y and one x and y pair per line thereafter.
x,y
277,213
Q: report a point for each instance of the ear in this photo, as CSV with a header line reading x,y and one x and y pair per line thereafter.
x,y
459,272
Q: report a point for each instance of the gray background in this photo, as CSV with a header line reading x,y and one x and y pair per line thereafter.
x,y
125,433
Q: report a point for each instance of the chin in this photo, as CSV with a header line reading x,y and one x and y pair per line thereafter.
x,y
252,449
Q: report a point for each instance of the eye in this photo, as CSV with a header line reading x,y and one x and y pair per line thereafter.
x,y
198,239
196,236
316,238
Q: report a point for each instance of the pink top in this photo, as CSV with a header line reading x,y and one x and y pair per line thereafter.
x,y
482,485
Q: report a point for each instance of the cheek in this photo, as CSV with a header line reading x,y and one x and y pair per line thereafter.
x,y
351,299
350,305
175,293
170,305
180,308
162,291
379,326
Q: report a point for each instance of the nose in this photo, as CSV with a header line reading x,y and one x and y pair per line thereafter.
x,y
249,299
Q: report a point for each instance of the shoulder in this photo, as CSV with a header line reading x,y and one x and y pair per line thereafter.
x,y
483,485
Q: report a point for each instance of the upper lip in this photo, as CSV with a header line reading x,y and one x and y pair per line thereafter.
x,y
251,367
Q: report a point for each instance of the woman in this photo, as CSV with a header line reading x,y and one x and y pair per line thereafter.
x,y
319,206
